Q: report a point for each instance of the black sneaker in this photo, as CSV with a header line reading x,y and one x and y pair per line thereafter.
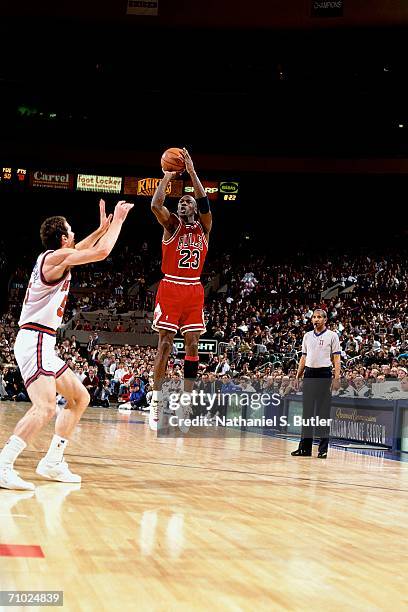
x,y
301,452
322,455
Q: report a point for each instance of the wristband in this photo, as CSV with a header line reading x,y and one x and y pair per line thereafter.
x,y
203,205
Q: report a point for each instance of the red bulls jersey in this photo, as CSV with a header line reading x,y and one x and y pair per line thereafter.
x,y
184,253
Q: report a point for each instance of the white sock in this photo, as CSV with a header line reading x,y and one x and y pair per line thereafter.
x,y
56,451
157,396
13,447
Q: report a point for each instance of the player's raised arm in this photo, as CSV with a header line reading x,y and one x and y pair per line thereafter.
x,y
57,262
200,195
162,214
93,238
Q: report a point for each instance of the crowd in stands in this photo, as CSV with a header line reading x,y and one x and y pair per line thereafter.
x,y
259,318
267,308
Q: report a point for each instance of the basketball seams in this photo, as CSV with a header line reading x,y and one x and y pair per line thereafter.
x,y
173,160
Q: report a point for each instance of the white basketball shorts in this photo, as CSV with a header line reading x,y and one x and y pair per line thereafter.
x,y
34,350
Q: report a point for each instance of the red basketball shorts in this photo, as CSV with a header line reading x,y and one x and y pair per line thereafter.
x,y
179,306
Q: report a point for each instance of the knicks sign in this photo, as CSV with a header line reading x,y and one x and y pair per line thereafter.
x,y
147,186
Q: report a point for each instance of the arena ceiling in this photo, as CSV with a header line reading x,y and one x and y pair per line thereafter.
x,y
84,81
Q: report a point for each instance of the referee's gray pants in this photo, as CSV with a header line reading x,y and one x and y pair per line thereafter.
x,y
316,403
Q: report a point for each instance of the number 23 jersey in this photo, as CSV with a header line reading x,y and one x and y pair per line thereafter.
x,y
185,251
44,302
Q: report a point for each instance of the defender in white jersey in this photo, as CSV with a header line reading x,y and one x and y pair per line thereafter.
x,y
44,373
44,301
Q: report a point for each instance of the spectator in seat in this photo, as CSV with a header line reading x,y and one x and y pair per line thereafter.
x,y
246,384
117,377
125,381
361,388
79,373
74,343
223,367
14,385
228,385
346,389
119,327
91,382
137,397
286,387
3,392
103,395
402,373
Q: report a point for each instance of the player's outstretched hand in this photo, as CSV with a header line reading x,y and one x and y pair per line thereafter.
x,y
188,161
121,210
104,220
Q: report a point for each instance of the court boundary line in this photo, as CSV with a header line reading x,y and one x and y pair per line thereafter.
x,y
230,471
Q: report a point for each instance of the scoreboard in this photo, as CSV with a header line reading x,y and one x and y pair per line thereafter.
x,y
12,178
229,190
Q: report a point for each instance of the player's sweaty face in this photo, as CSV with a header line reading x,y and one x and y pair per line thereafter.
x,y
186,206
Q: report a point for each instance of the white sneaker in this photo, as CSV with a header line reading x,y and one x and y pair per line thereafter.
x,y
183,413
156,415
9,479
126,407
57,471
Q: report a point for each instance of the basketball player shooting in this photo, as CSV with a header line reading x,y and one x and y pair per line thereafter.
x,y
43,372
180,295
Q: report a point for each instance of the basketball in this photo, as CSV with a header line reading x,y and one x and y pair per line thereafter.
x,y
172,160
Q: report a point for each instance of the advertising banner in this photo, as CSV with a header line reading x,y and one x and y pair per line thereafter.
x,y
143,7
204,346
51,180
362,424
103,184
229,190
327,8
229,187
211,189
366,420
147,186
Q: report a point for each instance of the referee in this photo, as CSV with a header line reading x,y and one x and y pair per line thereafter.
x,y
319,348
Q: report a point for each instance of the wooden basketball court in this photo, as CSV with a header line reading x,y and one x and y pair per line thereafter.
x,y
214,523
